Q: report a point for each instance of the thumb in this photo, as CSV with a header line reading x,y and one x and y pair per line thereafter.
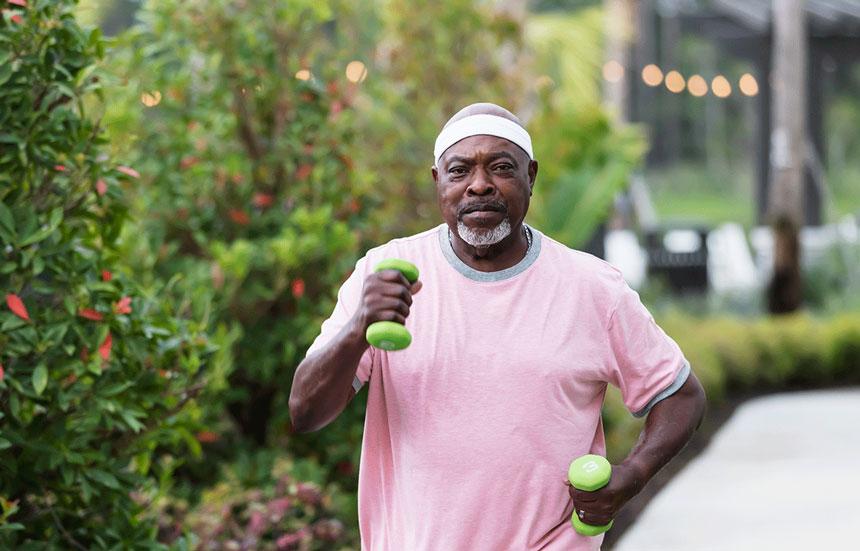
x,y
416,287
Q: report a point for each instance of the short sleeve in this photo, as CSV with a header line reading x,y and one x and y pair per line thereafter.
x,y
646,364
348,299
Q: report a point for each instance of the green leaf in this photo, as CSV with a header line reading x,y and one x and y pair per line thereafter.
x,y
7,222
131,421
56,217
40,379
104,478
5,444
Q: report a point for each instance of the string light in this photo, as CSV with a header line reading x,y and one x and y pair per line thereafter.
x,y
675,82
748,85
613,71
303,74
697,86
721,87
652,75
356,71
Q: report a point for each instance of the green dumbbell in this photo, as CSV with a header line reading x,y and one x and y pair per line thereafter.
x,y
589,473
390,335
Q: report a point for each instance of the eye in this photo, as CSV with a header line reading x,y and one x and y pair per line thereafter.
x,y
457,171
504,167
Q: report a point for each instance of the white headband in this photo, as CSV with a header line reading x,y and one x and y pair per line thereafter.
x,y
474,125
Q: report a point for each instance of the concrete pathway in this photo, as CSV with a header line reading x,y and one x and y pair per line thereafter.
x,y
783,473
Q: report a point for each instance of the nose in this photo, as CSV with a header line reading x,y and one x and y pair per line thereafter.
x,y
481,184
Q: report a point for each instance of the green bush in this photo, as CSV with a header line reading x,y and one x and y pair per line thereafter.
x,y
100,375
586,161
736,357
247,179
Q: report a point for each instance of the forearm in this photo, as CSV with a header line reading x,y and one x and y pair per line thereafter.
x,y
322,385
669,426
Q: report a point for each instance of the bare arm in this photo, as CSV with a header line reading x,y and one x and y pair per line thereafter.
x,y
668,427
322,385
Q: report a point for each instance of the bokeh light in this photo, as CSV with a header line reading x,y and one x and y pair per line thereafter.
x,y
150,99
613,71
748,85
303,74
697,86
675,82
356,71
721,87
652,75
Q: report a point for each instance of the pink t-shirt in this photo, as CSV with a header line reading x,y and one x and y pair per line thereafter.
x,y
469,432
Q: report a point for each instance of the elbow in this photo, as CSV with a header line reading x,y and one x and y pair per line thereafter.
x,y
299,418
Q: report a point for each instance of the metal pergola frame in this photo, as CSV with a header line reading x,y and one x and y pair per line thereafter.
x,y
742,29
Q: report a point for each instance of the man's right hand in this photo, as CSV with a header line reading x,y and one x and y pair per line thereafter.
x,y
386,296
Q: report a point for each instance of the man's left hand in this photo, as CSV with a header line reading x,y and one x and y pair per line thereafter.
x,y
600,506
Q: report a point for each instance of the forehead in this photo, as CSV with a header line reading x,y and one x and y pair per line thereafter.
x,y
475,147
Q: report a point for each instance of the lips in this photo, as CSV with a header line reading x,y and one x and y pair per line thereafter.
x,y
482,207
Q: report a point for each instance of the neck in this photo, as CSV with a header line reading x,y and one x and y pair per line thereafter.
x,y
492,258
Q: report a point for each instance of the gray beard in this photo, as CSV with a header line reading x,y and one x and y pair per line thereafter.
x,y
483,238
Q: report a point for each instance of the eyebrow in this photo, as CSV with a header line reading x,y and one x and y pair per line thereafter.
x,y
492,157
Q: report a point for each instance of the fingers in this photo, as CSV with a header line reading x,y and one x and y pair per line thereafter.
x,y
593,508
388,297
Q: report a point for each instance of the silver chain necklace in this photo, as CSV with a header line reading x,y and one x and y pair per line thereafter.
x,y
526,230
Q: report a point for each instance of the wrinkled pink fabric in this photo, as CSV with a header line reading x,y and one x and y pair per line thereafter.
x,y
469,432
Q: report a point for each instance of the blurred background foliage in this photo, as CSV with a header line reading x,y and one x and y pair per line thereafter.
x,y
272,143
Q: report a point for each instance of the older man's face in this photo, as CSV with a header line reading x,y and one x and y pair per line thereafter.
x,y
483,187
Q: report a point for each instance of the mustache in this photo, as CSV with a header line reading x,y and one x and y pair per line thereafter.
x,y
484,205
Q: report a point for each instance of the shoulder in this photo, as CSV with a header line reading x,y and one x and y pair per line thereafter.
x,y
411,247
580,267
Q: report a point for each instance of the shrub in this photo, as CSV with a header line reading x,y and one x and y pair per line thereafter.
x,y
736,357
245,139
276,504
99,374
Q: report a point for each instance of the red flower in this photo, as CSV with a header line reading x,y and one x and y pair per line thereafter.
x,y
2,373
262,200
17,19
207,436
15,304
123,306
304,171
298,288
22,3
101,187
128,171
239,216
104,349
106,275
90,314
58,168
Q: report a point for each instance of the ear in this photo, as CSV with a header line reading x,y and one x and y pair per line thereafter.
x,y
533,170
435,174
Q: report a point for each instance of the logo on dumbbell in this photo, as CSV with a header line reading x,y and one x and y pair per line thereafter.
x,y
590,466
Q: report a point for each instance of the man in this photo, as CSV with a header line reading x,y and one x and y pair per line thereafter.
x,y
470,430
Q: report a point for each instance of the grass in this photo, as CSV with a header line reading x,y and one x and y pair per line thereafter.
x,y
692,193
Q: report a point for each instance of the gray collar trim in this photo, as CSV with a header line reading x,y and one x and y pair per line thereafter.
x,y
476,275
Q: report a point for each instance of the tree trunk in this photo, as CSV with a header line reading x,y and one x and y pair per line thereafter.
x,y
788,138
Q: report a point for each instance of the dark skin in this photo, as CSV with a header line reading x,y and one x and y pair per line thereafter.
x,y
497,176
